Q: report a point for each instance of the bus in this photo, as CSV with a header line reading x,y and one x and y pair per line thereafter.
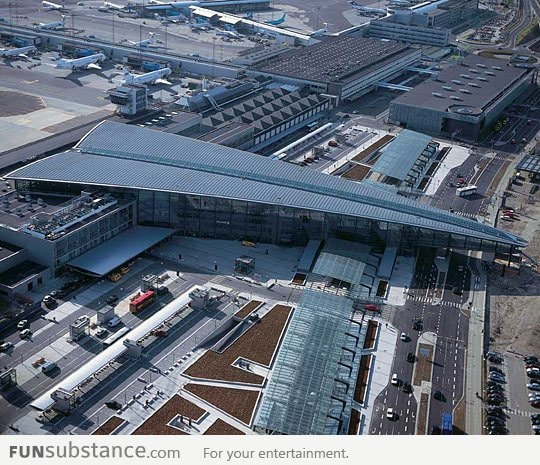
x,y
465,191
138,303
114,337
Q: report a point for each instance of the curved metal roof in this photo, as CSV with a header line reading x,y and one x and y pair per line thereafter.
x,y
116,154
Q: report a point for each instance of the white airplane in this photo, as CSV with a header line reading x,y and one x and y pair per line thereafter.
x,y
153,77
112,6
166,19
320,32
203,26
230,34
146,42
17,52
366,9
54,25
89,62
53,6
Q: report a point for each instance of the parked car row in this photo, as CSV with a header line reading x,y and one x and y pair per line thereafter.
x,y
535,421
495,418
532,369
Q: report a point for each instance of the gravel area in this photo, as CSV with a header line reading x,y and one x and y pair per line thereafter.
x,y
514,299
220,427
248,308
258,344
239,403
423,365
157,423
422,414
109,426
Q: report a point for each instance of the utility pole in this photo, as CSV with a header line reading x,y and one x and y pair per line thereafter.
x,y
112,11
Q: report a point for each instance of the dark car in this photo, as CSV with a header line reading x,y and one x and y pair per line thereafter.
x,y
417,324
113,404
457,290
112,299
496,370
494,402
435,430
407,388
439,396
530,358
411,358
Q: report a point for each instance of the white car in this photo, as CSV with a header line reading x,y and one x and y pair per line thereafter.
x,y
390,414
22,324
395,379
115,321
404,337
5,346
100,331
25,333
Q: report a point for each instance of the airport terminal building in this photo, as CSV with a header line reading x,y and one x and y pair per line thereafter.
x,y
199,189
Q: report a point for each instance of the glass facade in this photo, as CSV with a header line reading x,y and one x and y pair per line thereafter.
x,y
212,217
221,218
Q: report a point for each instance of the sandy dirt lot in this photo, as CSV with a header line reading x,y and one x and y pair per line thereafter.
x,y
515,298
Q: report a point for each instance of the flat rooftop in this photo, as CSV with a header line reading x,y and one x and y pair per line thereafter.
x,y
468,88
20,272
7,250
338,59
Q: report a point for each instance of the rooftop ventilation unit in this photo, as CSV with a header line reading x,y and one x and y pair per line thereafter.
x,y
455,97
473,84
465,91
480,65
447,88
466,76
456,81
481,78
497,68
475,71
437,94
489,73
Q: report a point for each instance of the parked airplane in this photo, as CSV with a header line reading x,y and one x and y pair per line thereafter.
x,y
89,62
366,9
276,22
153,77
144,43
202,25
320,32
229,34
20,52
112,6
54,25
53,6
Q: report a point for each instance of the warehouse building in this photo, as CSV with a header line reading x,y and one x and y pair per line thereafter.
x,y
345,66
462,100
193,188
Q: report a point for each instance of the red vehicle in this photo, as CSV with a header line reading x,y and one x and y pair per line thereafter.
x,y
332,143
142,301
372,308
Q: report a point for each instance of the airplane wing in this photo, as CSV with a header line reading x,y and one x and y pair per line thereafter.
x,y
163,81
93,66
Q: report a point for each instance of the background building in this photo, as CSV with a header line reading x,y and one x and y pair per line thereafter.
x,y
345,66
462,100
